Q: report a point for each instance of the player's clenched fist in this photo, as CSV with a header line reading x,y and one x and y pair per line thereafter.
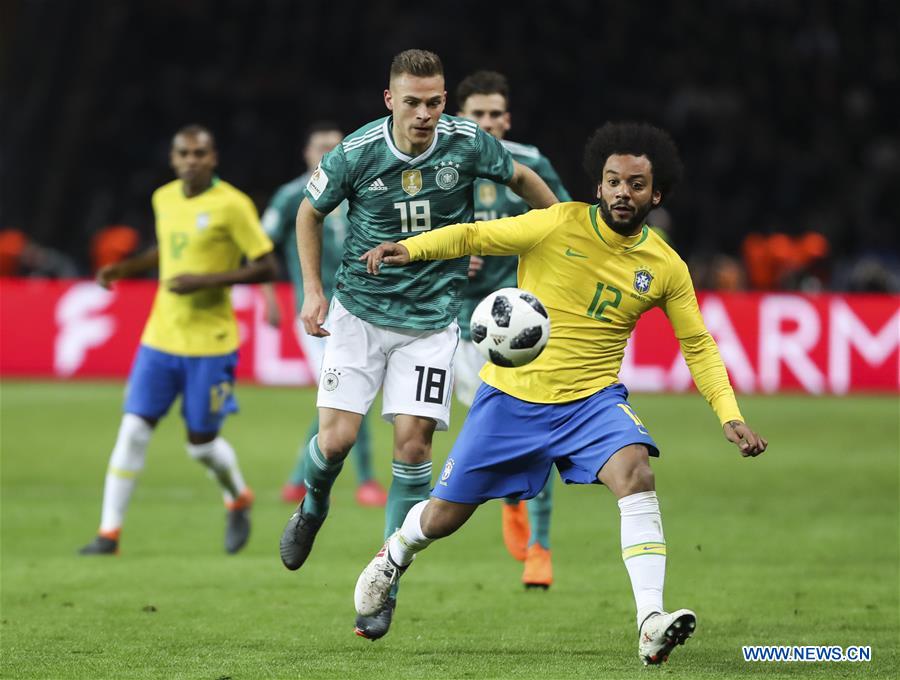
x,y
387,253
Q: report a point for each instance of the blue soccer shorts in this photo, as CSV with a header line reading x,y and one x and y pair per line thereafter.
x,y
206,386
507,446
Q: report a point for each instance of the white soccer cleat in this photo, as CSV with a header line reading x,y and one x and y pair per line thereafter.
x,y
661,633
373,587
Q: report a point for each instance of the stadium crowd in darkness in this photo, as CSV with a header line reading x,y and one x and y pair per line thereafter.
x,y
781,109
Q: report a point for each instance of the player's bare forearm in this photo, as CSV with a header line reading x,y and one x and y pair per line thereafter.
x,y
309,246
259,270
748,442
133,266
533,190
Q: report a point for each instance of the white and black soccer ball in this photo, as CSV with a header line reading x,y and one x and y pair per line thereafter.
x,y
510,327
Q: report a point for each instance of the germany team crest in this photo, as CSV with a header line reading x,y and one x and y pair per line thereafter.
x,y
642,281
411,181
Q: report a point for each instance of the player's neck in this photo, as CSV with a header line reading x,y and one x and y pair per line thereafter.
x,y
406,146
197,188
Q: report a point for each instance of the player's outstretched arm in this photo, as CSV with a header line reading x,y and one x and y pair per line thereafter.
x,y
133,266
263,268
748,441
533,190
387,253
309,246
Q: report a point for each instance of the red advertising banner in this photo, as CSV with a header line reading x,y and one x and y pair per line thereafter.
x,y
821,344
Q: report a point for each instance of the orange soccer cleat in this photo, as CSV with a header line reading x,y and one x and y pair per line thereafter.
x,y
538,567
371,494
293,493
516,530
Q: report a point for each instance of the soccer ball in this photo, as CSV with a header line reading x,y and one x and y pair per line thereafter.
x,y
510,327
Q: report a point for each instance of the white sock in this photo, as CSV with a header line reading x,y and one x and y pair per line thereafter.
x,y
409,540
219,456
125,463
644,551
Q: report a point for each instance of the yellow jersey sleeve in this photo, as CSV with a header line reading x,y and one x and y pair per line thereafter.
x,y
246,229
507,236
697,345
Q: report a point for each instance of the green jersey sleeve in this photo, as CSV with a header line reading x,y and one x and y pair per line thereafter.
x,y
330,183
493,162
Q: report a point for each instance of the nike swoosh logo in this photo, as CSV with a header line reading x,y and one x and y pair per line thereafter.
x,y
648,548
572,253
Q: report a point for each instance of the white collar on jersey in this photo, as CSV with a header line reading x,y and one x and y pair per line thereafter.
x,y
389,138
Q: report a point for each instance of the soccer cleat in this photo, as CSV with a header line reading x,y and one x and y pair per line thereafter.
x,y
538,567
371,494
237,522
293,493
373,587
297,538
661,633
377,626
516,530
101,545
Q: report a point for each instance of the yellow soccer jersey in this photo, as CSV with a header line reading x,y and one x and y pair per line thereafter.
x,y
595,285
204,234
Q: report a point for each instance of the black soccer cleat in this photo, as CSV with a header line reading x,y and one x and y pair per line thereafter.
x,y
297,538
237,529
101,545
377,626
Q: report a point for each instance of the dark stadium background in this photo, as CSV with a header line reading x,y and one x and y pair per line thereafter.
x,y
783,109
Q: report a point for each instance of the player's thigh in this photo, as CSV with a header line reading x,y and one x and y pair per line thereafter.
x,y
153,384
500,452
419,376
208,391
353,364
590,431
412,438
466,367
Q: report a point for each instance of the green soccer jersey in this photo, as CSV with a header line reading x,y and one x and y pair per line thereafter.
x,y
391,196
493,201
278,222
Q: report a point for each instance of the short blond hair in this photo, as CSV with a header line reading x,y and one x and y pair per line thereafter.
x,y
420,63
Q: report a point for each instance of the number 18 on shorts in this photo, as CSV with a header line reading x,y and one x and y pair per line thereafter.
x,y
414,368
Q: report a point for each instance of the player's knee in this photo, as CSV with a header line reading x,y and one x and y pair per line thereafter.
x,y
131,443
413,450
639,478
335,442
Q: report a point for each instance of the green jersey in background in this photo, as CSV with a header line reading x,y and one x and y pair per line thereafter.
x,y
493,201
278,222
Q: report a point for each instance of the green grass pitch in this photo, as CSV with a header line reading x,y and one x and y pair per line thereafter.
x,y
799,546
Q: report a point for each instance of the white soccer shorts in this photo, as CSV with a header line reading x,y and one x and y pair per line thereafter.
x,y
466,368
414,368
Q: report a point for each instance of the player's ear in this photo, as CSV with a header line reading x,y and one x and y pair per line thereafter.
x,y
388,100
656,199
599,194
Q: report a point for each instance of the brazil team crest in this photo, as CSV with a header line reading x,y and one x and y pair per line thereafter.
x,y
487,193
411,181
642,281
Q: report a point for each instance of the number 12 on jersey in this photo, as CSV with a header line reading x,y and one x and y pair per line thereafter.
x,y
414,215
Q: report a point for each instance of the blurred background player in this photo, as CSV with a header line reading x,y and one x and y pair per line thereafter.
x,y
597,269
204,226
278,222
484,98
408,172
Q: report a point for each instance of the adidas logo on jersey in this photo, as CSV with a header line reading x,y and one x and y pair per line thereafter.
x,y
378,185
